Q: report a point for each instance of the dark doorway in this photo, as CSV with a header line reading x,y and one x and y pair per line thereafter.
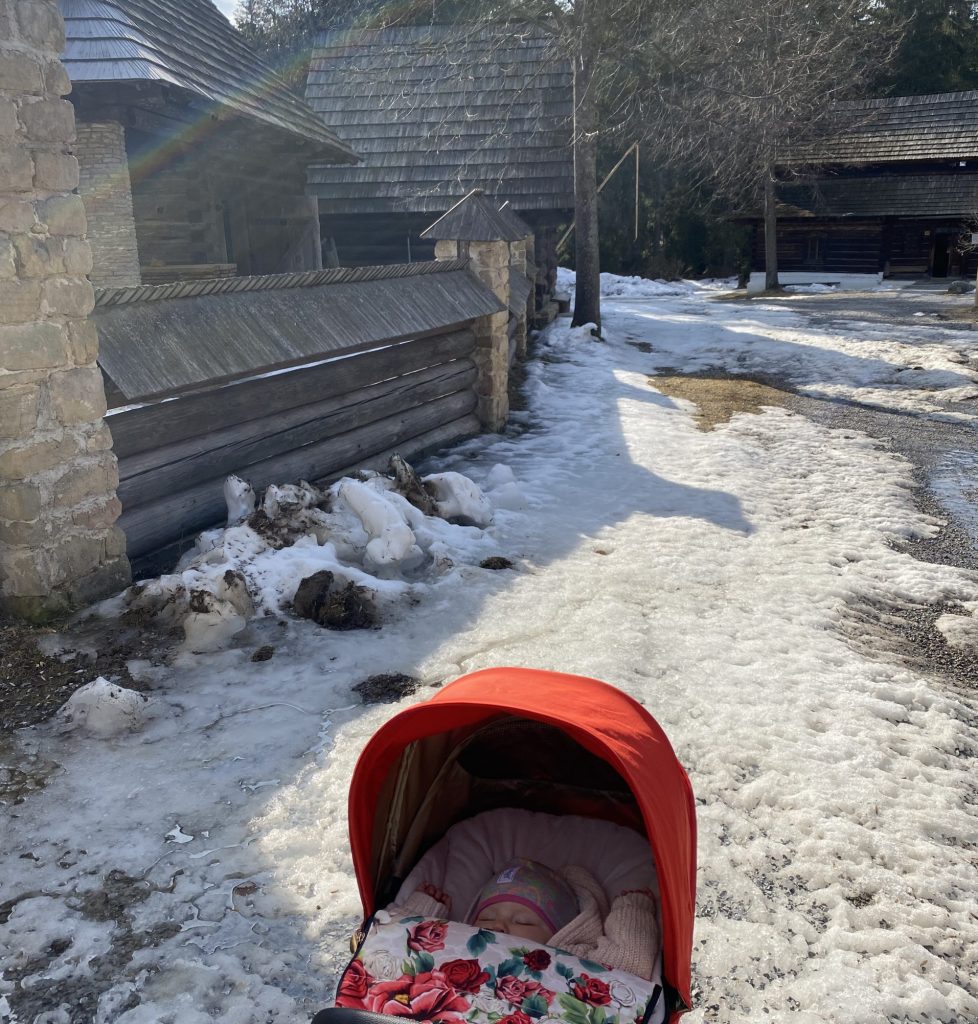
x,y
942,253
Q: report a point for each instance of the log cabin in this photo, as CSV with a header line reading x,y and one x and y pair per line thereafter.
x,y
891,190
435,112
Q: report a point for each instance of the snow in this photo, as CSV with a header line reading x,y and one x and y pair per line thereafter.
x,y
616,285
102,709
710,574
810,289
458,498
240,498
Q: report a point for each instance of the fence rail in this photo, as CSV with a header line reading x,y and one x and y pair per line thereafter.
x,y
335,410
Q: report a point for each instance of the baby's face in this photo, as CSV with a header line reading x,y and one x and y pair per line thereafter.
x,y
514,919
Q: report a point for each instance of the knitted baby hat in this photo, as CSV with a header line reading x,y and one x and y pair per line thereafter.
x,y
533,885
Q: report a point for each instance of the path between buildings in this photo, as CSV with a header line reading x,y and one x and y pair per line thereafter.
x,y
778,581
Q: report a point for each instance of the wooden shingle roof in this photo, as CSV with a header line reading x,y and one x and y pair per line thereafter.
x,y
910,195
436,111
201,336
943,126
476,219
190,45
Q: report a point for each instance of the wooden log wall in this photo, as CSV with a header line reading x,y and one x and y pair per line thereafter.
x,y
311,422
824,246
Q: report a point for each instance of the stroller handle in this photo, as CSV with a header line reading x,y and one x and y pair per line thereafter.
x,y
344,1015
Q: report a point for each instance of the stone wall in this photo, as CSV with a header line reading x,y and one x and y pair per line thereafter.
x,y
107,193
517,260
490,263
58,542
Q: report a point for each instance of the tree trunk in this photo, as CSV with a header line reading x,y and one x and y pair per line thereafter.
x,y
587,296
770,233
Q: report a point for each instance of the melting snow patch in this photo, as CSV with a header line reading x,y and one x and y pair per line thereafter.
x,y
177,835
960,632
810,289
363,538
459,499
102,709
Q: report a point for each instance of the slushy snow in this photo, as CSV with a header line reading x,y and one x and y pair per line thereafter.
x,y
623,286
712,575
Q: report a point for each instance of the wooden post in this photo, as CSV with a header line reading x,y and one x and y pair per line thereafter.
x,y
770,233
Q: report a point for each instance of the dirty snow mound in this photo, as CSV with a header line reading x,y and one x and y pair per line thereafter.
x,y
103,709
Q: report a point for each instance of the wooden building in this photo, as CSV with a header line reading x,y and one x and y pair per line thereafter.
x,y
192,152
891,190
435,112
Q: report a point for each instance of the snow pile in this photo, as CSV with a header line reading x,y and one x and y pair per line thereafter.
x,y
103,709
240,498
458,498
960,631
618,286
362,531
811,289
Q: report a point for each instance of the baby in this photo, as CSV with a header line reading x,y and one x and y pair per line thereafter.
x,y
566,909
525,899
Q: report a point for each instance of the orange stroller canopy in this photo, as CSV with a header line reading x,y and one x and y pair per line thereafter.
x,y
408,786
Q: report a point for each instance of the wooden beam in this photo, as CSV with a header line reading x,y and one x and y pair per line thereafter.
x,y
159,523
142,428
155,474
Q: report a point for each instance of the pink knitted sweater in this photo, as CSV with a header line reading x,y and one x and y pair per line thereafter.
x,y
624,936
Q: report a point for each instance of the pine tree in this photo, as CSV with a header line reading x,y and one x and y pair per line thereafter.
x,y
939,48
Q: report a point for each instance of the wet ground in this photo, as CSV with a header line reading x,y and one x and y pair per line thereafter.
x,y
942,453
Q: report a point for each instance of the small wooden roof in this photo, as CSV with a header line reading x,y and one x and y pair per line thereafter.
x,y
189,45
515,221
435,111
942,126
476,219
520,287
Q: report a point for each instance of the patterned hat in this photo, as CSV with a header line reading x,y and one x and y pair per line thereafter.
x,y
533,885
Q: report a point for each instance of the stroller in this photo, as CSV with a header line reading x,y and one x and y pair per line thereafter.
x,y
598,784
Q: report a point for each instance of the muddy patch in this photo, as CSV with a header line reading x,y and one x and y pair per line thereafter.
x,y
22,774
334,603
495,562
906,634
386,688
718,395
34,684
52,983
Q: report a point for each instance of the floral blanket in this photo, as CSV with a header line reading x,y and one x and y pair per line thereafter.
x,y
451,973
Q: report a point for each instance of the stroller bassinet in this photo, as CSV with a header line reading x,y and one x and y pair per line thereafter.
x,y
514,738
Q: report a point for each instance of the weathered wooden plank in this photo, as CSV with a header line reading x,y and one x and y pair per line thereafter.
x,y
417,447
162,559
156,524
203,341
155,474
143,428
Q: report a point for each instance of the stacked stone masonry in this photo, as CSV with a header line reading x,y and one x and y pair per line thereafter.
x,y
58,543
517,260
106,190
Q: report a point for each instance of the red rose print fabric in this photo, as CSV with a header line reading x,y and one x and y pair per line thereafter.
x,y
450,973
